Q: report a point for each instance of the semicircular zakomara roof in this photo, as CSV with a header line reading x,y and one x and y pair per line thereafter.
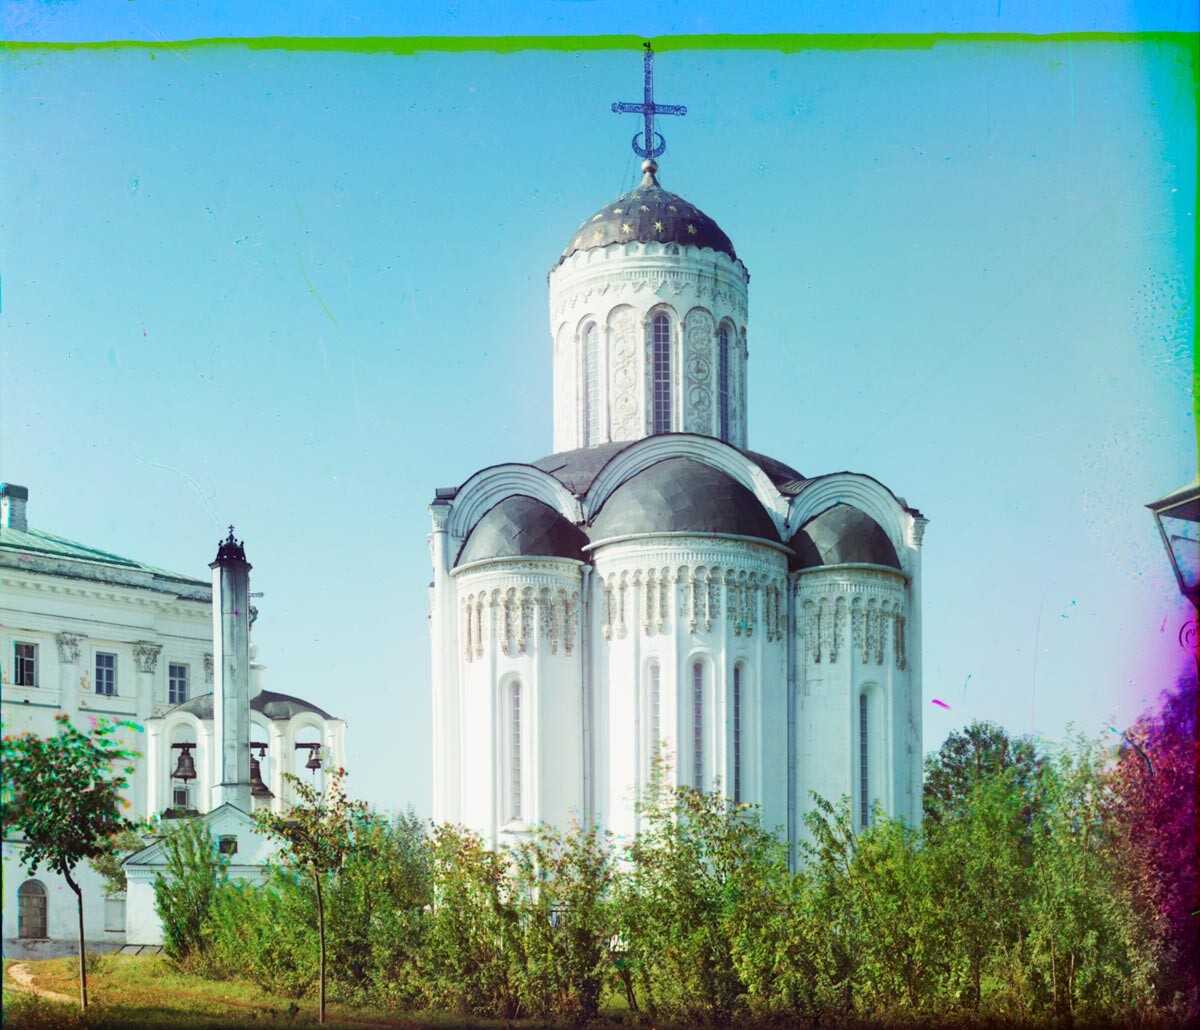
x,y
521,526
649,214
682,495
842,535
269,702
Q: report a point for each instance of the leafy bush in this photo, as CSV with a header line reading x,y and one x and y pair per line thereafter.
x,y
184,894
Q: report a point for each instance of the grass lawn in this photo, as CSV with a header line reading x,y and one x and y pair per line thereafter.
x,y
145,991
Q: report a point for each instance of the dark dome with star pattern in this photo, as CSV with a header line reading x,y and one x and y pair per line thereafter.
x,y
649,214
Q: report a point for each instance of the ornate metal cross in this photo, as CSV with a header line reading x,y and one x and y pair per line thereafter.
x,y
653,143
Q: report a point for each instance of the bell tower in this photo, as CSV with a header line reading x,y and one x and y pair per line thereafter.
x,y
231,674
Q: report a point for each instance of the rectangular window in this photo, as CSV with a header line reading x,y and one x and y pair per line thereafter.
x,y
698,726
106,674
177,683
227,845
864,808
24,665
515,753
737,733
180,797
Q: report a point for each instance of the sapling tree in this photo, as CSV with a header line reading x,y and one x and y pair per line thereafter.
x,y
62,799
317,833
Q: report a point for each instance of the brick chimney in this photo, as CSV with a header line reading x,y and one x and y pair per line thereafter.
x,y
13,499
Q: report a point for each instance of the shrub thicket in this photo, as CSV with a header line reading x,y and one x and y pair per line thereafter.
x,y
1035,894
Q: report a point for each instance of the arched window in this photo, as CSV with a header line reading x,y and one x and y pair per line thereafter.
x,y
591,386
864,803
698,725
723,380
653,716
31,909
514,750
661,374
737,733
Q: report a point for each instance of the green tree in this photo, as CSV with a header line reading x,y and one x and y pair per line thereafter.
x,y
966,758
474,940
562,894
109,865
698,861
185,894
380,895
317,833
62,797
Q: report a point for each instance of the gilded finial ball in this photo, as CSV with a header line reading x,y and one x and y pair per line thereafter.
x,y
650,165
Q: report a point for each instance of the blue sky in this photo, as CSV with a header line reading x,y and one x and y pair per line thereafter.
x,y
298,291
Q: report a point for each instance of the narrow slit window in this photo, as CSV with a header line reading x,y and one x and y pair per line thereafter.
x,y
698,726
864,807
515,751
737,733
723,381
655,707
661,376
591,395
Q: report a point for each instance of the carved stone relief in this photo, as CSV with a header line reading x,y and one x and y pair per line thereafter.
x,y
622,334
68,647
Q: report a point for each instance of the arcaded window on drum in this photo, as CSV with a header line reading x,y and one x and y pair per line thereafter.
x,y
737,733
514,753
661,374
698,725
591,386
864,803
31,909
723,381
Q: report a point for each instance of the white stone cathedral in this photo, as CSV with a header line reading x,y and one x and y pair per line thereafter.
x,y
656,584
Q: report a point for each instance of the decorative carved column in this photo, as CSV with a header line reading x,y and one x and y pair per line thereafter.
x,y
68,671
145,655
208,669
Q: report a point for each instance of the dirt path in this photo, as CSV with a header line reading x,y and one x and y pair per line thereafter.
x,y
23,980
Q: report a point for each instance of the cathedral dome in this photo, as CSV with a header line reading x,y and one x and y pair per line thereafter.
x,y
842,535
681,495
522,526
649,214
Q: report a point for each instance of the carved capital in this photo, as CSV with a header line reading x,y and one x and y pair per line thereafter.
x,y
919,530
439,513
68,647
146,655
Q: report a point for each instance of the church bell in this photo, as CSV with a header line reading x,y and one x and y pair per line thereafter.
x,y
186,769
258,789
314,760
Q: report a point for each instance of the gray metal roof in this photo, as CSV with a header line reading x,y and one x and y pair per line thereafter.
x,y
842,535
682,495
272,704
521,525
578,469
649,214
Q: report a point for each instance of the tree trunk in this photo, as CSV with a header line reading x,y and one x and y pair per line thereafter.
x,y
82,956
321,934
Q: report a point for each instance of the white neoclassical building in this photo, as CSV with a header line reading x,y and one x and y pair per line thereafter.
x,y
655,583
93,635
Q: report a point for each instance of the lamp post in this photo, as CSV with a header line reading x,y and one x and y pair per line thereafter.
x,y
1178,518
